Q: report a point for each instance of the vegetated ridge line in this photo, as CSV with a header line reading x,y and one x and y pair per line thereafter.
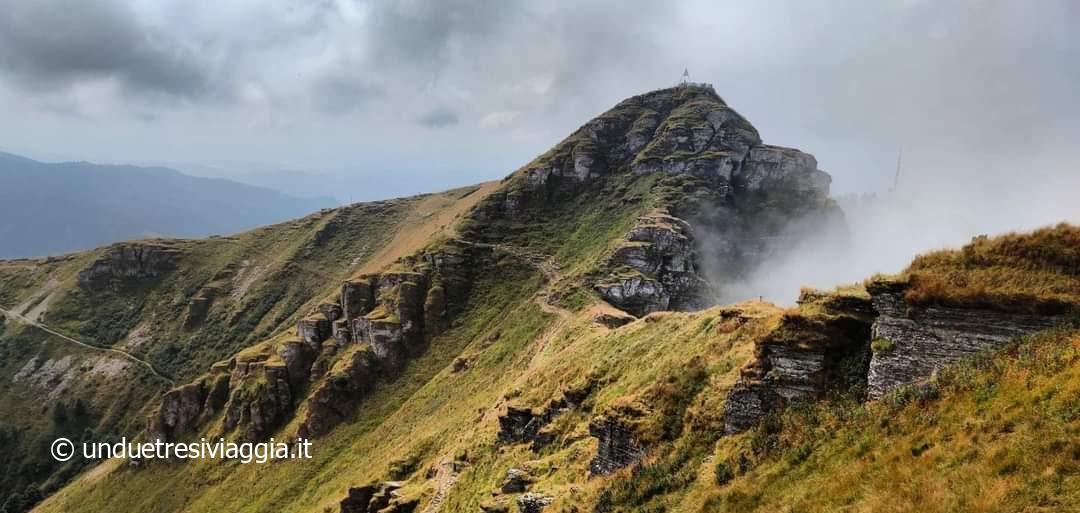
x,y
121,352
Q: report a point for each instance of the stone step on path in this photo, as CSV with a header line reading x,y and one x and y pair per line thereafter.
x,y
445,478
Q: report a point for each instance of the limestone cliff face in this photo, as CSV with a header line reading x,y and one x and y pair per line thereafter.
x,y
867,347
654,269
128,261
804,359
914,341
341,349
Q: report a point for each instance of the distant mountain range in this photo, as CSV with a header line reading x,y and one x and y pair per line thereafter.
x,y
52,208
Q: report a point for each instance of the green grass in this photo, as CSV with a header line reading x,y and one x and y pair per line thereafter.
x,y
288,268
401,418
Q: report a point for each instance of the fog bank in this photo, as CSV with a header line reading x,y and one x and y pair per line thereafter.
x,y
940,202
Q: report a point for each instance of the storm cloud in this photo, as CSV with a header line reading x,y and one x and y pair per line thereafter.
x,y
54,43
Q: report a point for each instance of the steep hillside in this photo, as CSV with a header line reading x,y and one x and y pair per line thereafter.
x,y
141,317
54,208
548,343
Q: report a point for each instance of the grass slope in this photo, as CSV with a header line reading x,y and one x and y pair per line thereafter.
x,y
263,281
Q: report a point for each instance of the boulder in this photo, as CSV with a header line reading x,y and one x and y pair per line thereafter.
x,y
516,481
533,502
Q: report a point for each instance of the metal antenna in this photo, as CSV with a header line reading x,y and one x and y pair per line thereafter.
x,y
685,76
896,179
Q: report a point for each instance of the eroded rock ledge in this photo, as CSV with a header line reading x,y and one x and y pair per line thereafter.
x,y
867,347
340,350
808,356
654,269
914,341
128,261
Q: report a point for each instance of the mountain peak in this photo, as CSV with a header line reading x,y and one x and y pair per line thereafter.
x,y
684,130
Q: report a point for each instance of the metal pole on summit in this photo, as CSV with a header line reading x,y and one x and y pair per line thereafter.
x,y
896,178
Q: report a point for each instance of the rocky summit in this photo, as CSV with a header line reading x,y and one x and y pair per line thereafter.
x,y
554,342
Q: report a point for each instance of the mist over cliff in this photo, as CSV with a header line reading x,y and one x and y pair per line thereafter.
x,y
941,200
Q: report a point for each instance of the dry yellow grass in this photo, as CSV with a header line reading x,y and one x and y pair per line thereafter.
x,y
433,218
1033,272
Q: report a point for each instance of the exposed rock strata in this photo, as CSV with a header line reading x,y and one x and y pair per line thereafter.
x,y
341,349
733,198
655,268
533,502
523,425
199,307
617,446
128,261
811,355
805,358
922,339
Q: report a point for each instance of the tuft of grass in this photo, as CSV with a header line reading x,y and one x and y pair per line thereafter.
x,y
882,345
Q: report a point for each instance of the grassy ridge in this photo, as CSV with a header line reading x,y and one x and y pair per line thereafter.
x,y
1035,272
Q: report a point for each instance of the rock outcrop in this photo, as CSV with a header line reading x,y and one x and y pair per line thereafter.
x,y
339,393
199,307
913,341
655,268
380,498
617,445
523,425
866,346
128,261
533,502
810,354
187,406
516,481
341,349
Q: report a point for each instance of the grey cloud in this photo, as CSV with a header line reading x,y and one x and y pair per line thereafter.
x,y
53,43
421,34
439,118
343,91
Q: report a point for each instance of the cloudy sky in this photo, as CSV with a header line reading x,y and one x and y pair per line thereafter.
x,y
375,99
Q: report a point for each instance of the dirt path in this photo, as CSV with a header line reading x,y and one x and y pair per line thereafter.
x,y
447,474
543,263
445,478
25,320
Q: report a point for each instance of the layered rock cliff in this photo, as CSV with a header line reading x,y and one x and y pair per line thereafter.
x,y
128,261
948,306
732,198
911,342
376,324
820,348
